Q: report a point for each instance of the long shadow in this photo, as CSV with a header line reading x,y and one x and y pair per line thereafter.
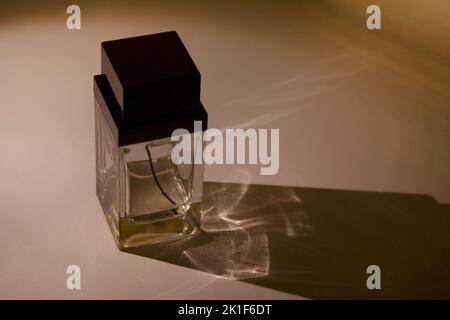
x,y
318,243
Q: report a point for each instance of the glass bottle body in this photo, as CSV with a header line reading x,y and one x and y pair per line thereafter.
x,y
145,196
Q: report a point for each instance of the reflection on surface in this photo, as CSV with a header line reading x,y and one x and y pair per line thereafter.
x,y
238,218
318,242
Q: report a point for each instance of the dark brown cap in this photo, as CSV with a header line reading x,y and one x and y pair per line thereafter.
x,y
149,81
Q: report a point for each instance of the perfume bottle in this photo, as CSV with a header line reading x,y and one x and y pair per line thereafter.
x,y
149,88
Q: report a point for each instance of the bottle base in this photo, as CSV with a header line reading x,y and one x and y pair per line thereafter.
x,y
131,234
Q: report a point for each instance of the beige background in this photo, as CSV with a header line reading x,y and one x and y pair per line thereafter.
x,y
356,109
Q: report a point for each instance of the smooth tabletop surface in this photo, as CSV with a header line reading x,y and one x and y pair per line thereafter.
x,y
357,110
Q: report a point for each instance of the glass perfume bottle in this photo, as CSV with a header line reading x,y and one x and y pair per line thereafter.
x,y
149,87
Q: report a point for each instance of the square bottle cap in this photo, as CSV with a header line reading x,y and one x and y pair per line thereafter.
x,y
149,86
151,75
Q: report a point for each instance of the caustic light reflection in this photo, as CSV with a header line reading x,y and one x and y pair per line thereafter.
x,y
238,218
